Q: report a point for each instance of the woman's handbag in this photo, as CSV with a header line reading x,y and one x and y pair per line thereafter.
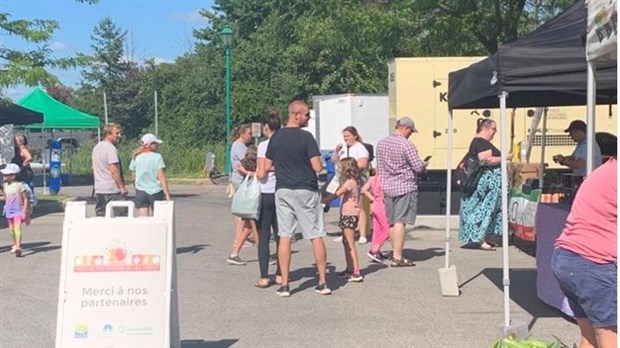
x,y
246,202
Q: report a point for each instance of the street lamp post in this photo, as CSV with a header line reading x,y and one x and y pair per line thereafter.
x,y
227,38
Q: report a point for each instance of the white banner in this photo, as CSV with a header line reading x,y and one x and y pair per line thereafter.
x,y
602,30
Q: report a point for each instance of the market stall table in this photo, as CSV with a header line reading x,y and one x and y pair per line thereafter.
x,y
550,221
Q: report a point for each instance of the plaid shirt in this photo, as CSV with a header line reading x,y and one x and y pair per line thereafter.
x,y
398,164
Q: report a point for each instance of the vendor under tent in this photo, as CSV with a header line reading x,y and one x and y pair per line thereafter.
x,y
19,115
545,68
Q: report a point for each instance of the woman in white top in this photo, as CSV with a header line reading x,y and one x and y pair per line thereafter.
x,y
267,219
354,148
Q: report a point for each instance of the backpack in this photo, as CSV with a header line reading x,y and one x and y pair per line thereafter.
x,y
371,151
467,174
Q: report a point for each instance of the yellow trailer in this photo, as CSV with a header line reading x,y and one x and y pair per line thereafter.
x,y
418,87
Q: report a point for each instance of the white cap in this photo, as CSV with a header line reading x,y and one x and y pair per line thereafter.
x,y
10,168
148,139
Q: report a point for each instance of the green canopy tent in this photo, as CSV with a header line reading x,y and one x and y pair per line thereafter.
x,y
57,114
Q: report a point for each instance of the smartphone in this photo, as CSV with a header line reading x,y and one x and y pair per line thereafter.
x,y
428,158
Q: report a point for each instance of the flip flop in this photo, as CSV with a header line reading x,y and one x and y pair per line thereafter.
x,y
264,285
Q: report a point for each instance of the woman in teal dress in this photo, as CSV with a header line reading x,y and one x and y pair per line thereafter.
x,y
480,215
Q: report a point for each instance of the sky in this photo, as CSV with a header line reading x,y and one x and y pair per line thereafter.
x,y
160,29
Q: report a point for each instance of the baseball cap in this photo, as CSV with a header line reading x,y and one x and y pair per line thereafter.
x,y
407,122
576,125
10,168
149,138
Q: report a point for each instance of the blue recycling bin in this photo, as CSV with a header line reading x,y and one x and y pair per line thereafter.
x,y
55,167
330,167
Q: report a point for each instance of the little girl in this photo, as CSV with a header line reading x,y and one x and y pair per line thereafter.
x,y
16,205
380,228
349,216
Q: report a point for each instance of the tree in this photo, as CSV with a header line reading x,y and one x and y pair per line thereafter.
x,y
115,74
31,67
489,22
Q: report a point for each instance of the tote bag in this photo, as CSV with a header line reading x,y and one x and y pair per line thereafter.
x,y
246,202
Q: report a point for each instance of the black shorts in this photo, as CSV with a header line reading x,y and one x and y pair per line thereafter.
x,y
349,222
144,200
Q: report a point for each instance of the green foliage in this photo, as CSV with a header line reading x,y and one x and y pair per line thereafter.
x,y
180,161
29,67
511,342
116,75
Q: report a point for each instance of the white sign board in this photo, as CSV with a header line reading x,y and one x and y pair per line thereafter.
x,y
256,129
118,279
602,30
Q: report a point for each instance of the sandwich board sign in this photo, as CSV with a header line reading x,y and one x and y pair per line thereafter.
x,y
118,279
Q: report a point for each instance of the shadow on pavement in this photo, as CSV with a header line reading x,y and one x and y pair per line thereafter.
x,y
32,248
225,343
522,292
422,255
191,249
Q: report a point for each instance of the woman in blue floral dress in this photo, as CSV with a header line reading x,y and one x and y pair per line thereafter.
x,y
480,215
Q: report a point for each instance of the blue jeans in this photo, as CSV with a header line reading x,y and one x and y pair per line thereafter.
x,y
589,287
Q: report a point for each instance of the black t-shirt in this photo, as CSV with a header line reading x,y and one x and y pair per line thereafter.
x,y
290,150
479,145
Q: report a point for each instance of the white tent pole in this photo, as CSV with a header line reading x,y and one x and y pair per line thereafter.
x,y
99,134
449,189
156,117
543,144
105,107
504,188
591,112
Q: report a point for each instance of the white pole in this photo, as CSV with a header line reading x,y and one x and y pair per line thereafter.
x,y
449,189
543,144
504,190
98,134
591,112
156,123
105,107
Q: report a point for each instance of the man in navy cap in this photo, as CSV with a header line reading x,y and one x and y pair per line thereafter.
x,y
577,160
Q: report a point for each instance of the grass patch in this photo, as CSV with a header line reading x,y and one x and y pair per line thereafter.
x,y
180,162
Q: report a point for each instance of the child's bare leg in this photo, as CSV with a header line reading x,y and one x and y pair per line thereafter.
x,y
10,223
348,240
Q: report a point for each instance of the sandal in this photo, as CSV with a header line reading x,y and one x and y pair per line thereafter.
x,y
401,263
264,284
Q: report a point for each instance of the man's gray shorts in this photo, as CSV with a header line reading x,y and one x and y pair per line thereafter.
x,y
402,209
299,208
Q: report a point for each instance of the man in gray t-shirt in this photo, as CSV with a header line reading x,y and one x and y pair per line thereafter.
x,y
109,183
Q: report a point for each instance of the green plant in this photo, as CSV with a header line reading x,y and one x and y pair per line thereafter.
x,y
512,342
180,161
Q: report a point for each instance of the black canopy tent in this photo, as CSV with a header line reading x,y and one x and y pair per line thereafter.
x,y
15,114
545,68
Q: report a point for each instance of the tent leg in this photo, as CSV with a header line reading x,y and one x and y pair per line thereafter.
x,y
543,144
591,112
448,279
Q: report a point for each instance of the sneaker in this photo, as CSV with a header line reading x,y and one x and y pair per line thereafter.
x,y
235,260
375,257
384,256
283,291
338,239
356,278
326,207
322,289
344,274
13,248
362,240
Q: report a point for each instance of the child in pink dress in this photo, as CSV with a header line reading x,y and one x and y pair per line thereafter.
x,y
380,228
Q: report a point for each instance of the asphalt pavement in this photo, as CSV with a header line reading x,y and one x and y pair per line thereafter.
x,y
220,307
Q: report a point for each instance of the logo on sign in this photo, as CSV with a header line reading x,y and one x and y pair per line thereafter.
x,y
81,331
107,329
117,258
